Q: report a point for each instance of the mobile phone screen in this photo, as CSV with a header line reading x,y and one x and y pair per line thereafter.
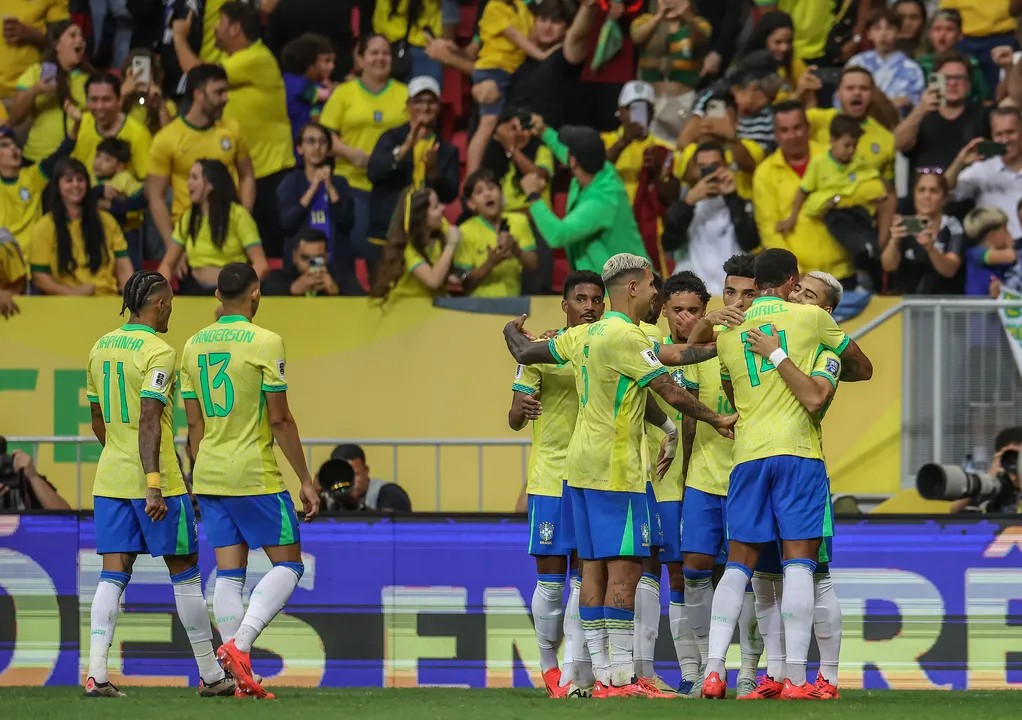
x,y
47,71
988,148
638,112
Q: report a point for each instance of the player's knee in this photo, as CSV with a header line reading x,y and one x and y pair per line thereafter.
x,y
188,575
296,567
120,579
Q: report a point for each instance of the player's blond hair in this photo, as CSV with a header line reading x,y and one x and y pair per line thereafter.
x,y
623,263
836,292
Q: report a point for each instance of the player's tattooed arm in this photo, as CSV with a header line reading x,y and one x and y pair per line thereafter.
x,y
149,435
674,355
855,366
680,399
703,332
654,413
522,345
688,436
98,426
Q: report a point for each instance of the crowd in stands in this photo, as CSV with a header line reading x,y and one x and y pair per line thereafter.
x,y
417,148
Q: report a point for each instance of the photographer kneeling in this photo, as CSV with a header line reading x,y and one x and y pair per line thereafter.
x,y
996,492
21,485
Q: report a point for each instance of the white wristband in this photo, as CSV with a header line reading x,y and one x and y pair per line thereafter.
x,y
777,356
668,427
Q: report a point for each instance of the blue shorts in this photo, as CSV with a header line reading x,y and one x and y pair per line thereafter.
x,y
705,518
545,526
670,520
783,496
255,520
656,538
123,527
770,557
610,524
502,78
567,520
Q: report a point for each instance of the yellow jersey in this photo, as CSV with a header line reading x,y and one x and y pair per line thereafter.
x,y
828,365
131,132
813,21
709,468
671,487
49,123
21,202
876,146
825,178
982,18
514,198
178,146
12,264
497,51
654,435
743,180
228,367
391,21
209,52
140,113
478,236
126,365
242,233
16,59
787,91
409,286
551,432
629,162
42,254
360,117
613,361
771,420
126,184
258,103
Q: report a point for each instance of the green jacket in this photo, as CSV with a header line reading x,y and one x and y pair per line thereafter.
x,y
599,222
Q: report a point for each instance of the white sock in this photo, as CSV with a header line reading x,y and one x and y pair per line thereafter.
x,y
827,624
768,590
194,615
684,641
578,666
698,606
797,614
106,605
749,637
727,607
228,607
621,643
268,597
595,628
647,624
547,615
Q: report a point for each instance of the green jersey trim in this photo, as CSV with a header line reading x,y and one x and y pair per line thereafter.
x,y
650,377
274,388
153,395
518,387
189,396
132,327
826,375
553,351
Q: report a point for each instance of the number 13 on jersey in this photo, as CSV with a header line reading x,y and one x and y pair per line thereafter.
x,y
752,360
216,362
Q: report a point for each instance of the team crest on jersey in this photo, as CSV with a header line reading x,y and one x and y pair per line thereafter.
x,y
650,357
24,194
378,116
875,148
280,369
851,177
644,529
546,533
158,380
225,144
678,376
832,366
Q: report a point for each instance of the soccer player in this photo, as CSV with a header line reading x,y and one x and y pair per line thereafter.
x,y
551,540
141,503
232,382
779,484
607,461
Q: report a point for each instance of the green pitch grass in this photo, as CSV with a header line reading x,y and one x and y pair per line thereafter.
x,y
425,704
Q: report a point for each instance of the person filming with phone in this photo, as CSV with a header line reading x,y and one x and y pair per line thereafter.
x,y
309,274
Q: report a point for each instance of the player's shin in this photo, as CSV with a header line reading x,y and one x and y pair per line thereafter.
x,y
105,607
547,613
595,629
228,607
647,624
581,670
268,598
621,643
684,640
827,624
725,611
749,637
698,604
797,607
768,590
194,614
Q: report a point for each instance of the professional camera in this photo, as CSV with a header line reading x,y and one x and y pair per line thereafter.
x,y
9,477
337,479
950,482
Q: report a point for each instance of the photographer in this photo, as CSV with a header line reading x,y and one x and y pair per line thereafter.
x,y
1009,439
310,272
21,485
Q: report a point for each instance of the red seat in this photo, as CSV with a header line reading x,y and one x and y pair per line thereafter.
x,y
362,273
275,263
453,211
467,22
560,202
560,273
460,141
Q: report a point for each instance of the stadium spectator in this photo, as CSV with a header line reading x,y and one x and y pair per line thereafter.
x,y
712,222
411,154
742,155
41,96
775,34
311,271
754,86
114,12
986,25
120,193
726,19
814,22
944,35
913,26
105,119
77,249
991,253
896,75
418,256
775,185
407,25
146,102
307,63
13,271
926,262
22,187
359,112
24,38
27,490
372,493
514,152
215,230
200,133
333,20
992,181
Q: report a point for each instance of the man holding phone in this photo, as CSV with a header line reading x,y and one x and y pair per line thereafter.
x,y
310,274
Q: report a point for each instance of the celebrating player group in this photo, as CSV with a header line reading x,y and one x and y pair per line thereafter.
x,y
235,396
740,512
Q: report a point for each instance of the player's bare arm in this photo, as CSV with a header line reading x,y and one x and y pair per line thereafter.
x,y
729,391
855,366
688,436
524,407
522,346
196,426
98,426
674,355
679,398
285,432
149,435
812,392
703,332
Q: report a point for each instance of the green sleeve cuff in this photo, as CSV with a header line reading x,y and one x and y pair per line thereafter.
x,y
656,347
40,269
252,244
189,395
120,254
688,384
647,379
723,376
92,398
553,351
518,387
841,347
177,241
153,395
825,375
274,388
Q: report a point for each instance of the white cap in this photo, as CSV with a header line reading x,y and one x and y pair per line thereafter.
x,y
633,91
421,84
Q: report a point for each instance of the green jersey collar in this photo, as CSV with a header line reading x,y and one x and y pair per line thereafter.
x,y
132,327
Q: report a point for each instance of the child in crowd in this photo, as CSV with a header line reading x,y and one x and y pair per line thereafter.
x,y
306,63
839,187
495,246
120,193
991,253
897,76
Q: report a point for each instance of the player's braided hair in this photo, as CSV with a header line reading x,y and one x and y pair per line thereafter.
x,y
138,289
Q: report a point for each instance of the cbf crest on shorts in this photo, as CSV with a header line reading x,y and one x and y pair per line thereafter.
x,y
546,533
644,529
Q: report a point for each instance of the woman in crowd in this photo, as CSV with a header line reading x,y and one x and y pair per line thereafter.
x,y
408,25
46,86
514,152
359,112
307,62
420,247
913,25
926,262
775,33
311,196
76,248
214,231
145,102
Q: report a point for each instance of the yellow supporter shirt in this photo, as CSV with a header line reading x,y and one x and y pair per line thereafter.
x,y
771,420
258,103
12,264
140,114
229,367
242,233
49,124
478,236
981,18
498,52
131,132
126,365
709,469
360,117
828,365
813,21
409,286
743,180
614,361
672,487
42,254
787,91
876,146
629,162
551,432
209,52
826,177
514,199
126,184
178,146
16,59
21,202
392,21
